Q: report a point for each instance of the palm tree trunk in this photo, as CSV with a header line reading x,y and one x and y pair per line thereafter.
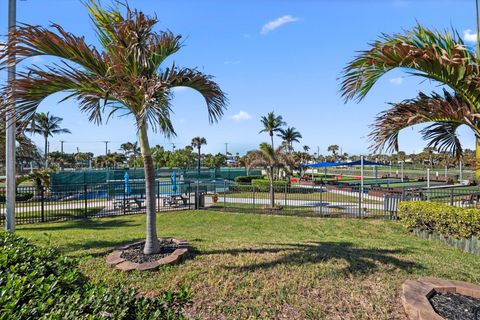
x,y
46,152
477,158
272,189
152,245
271,138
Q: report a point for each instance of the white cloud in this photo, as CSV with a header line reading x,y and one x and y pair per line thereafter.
x,y
469,35
241,116
274,24
396,81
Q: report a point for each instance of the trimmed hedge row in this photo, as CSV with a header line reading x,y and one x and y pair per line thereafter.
x,y
37,283
247,179
439,217
21,196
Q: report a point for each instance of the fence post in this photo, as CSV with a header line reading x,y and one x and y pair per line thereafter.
x,y
158,194
321,198
253,198
42,197
224,195
86,201
124,201
285,195
360,194
451,196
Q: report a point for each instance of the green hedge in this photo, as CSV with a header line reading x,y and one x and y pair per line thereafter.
x,y
439,217
38,283
263,185
247,179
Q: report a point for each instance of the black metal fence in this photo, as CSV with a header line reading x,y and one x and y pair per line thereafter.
x,y
332,201
113,199
75,201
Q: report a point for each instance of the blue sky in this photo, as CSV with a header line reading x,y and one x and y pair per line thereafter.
x,y
266,55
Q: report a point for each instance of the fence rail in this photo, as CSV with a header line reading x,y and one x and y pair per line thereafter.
x,y
334,201
66,202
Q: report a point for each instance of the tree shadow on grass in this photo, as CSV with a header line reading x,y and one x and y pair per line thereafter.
x,y
359,260
86,224
102,247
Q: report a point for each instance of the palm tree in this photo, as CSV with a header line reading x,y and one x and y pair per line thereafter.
x,y
333,149
131,150
124,76
306,148
289,136
442,57
272,124
198,142
271,160
46,125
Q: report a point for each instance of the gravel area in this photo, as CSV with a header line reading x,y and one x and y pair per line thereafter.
x,y
135,253
454,306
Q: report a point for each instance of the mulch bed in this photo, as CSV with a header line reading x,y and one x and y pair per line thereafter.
x,y
454,306
134,253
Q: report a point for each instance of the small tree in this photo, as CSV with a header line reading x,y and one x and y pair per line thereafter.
x,y
271,160
126,75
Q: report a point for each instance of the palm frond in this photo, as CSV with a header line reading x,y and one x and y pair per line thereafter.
x,y
439,56
215,98
447,111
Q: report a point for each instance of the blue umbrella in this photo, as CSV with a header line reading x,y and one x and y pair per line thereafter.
x,y
126,178
174,181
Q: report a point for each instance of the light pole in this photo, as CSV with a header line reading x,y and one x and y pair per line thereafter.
x,y
10,129
106,147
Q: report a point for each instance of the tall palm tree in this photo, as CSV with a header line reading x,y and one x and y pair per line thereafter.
x,y
198,142
46,125
333,149
131,150
306,148
289,136
271,124
125,76
271,160
442,57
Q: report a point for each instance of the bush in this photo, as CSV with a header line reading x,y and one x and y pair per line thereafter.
x,y
247,179
37,283
263,185
20,196
442,218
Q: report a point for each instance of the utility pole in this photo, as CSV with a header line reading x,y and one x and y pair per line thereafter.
x,y
106,147
10,130
226,149
318,153
61,145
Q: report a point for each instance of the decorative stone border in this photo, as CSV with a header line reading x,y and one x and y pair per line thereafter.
x,y
416,293
114,259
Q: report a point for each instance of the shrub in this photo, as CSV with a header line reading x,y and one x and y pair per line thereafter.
x,y
38,283
20,196
247,179
263,185
439,217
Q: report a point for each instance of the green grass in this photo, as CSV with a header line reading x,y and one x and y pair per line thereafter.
x,y
249,266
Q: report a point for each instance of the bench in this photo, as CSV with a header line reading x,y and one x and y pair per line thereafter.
x,y
174,200
128,203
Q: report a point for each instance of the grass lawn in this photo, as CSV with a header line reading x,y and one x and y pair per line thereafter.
x,y
249,266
